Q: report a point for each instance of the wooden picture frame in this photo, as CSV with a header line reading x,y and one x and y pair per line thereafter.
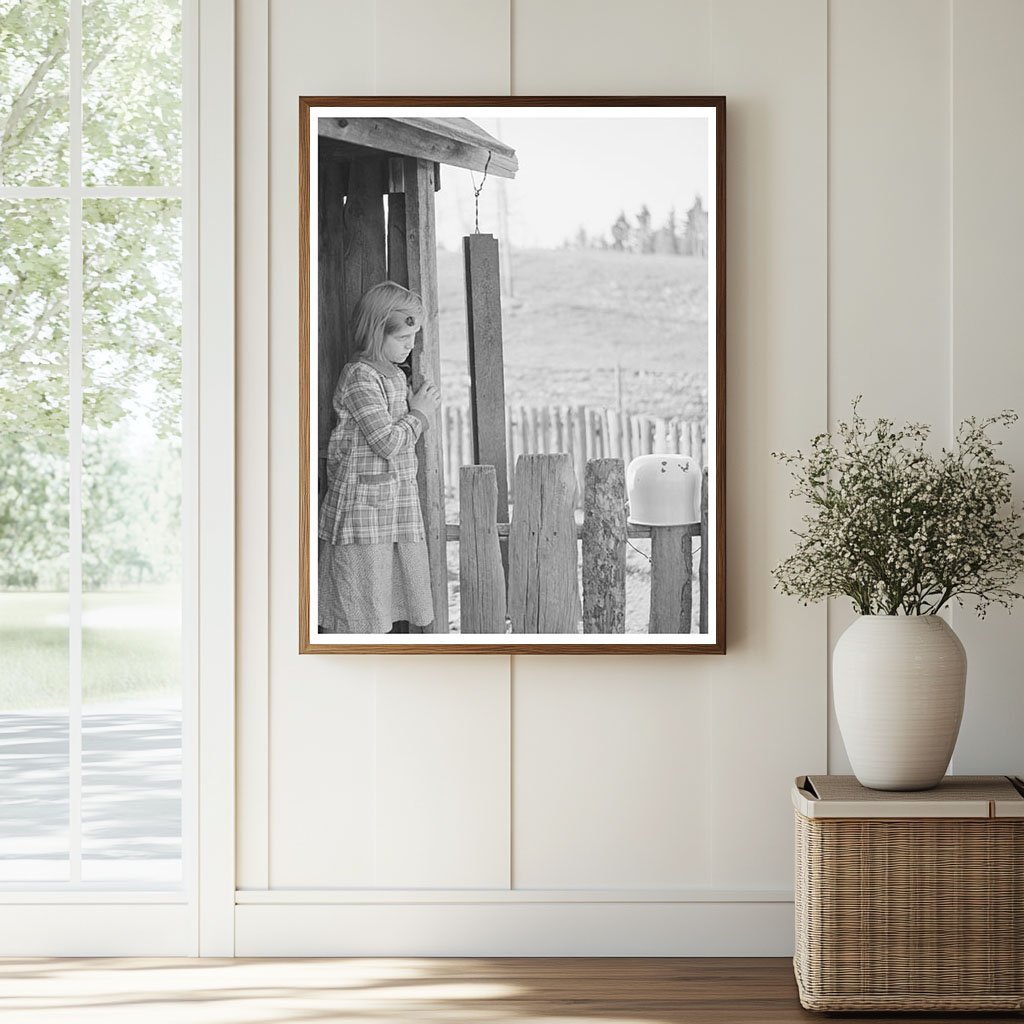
x,y
369,168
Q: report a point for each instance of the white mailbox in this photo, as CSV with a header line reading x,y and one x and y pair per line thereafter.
x,y
664,490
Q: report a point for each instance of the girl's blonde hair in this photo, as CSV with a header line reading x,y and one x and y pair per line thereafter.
x,y
383,309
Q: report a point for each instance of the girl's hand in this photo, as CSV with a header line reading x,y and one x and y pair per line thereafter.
x,y
426,400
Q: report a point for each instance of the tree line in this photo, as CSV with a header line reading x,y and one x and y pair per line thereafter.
x,y
688,237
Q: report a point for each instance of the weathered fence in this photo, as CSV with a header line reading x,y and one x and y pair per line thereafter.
x,y
580,431
547,572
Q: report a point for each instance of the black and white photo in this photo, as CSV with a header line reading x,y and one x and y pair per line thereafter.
x,y
512,374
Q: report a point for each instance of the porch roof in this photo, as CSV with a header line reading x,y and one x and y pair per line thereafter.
x,y
456,141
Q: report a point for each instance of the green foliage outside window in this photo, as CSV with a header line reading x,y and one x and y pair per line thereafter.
x,y
131,304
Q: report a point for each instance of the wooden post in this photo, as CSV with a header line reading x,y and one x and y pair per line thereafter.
x,y
543,586
613,429
467,437
365,247
421,260
673,436
332,321
524,430
398,265
671,579
568,441
535,440
593,451
705,553
481,576
555,430
660,445
685,439
508,452
486,361
626,432
604,547
579,441
686,597
365,244
461,456
446,448
453,436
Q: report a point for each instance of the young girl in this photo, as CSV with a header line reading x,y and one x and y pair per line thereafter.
x,y
373,568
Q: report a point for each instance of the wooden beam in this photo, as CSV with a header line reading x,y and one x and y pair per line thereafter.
x,y
417,138
421,263
332,320
486,363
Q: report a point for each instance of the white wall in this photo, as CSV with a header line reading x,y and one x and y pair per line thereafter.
x,y
626,805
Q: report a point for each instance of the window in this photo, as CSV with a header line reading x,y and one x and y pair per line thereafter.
x,y
96,463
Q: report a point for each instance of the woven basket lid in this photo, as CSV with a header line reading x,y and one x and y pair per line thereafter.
x,y
957,796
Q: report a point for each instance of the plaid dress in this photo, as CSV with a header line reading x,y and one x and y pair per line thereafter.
x,y
373,566
371,460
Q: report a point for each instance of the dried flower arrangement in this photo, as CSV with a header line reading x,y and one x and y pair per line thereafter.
x,y
900,530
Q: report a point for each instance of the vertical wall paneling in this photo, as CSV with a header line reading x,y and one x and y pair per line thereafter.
x,y
323,758
320,708
442,48
612,781
888,223
442,774
888,214
988,330
769,692
252,461
645,46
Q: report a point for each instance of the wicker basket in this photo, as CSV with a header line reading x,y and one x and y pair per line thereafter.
x,y
910,901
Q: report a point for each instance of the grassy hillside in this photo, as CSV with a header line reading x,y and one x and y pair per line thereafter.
x,y
575,314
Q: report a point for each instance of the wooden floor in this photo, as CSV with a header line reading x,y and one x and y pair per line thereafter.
x,y
381,991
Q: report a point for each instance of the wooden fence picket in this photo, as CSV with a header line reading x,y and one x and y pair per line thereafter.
x,y
510,464
543,585
705,554
671,579
481,577
544,579
583,432
604,547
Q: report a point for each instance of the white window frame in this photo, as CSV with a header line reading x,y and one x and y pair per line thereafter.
x,y
197,917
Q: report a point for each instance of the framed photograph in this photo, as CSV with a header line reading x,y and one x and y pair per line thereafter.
x,y
512,374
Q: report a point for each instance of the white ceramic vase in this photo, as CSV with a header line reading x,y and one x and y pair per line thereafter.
x,y
898,684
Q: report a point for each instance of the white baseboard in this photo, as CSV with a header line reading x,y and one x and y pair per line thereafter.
x,y
99,928
519,928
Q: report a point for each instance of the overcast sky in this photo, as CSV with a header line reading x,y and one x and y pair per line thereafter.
x,y
579,171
